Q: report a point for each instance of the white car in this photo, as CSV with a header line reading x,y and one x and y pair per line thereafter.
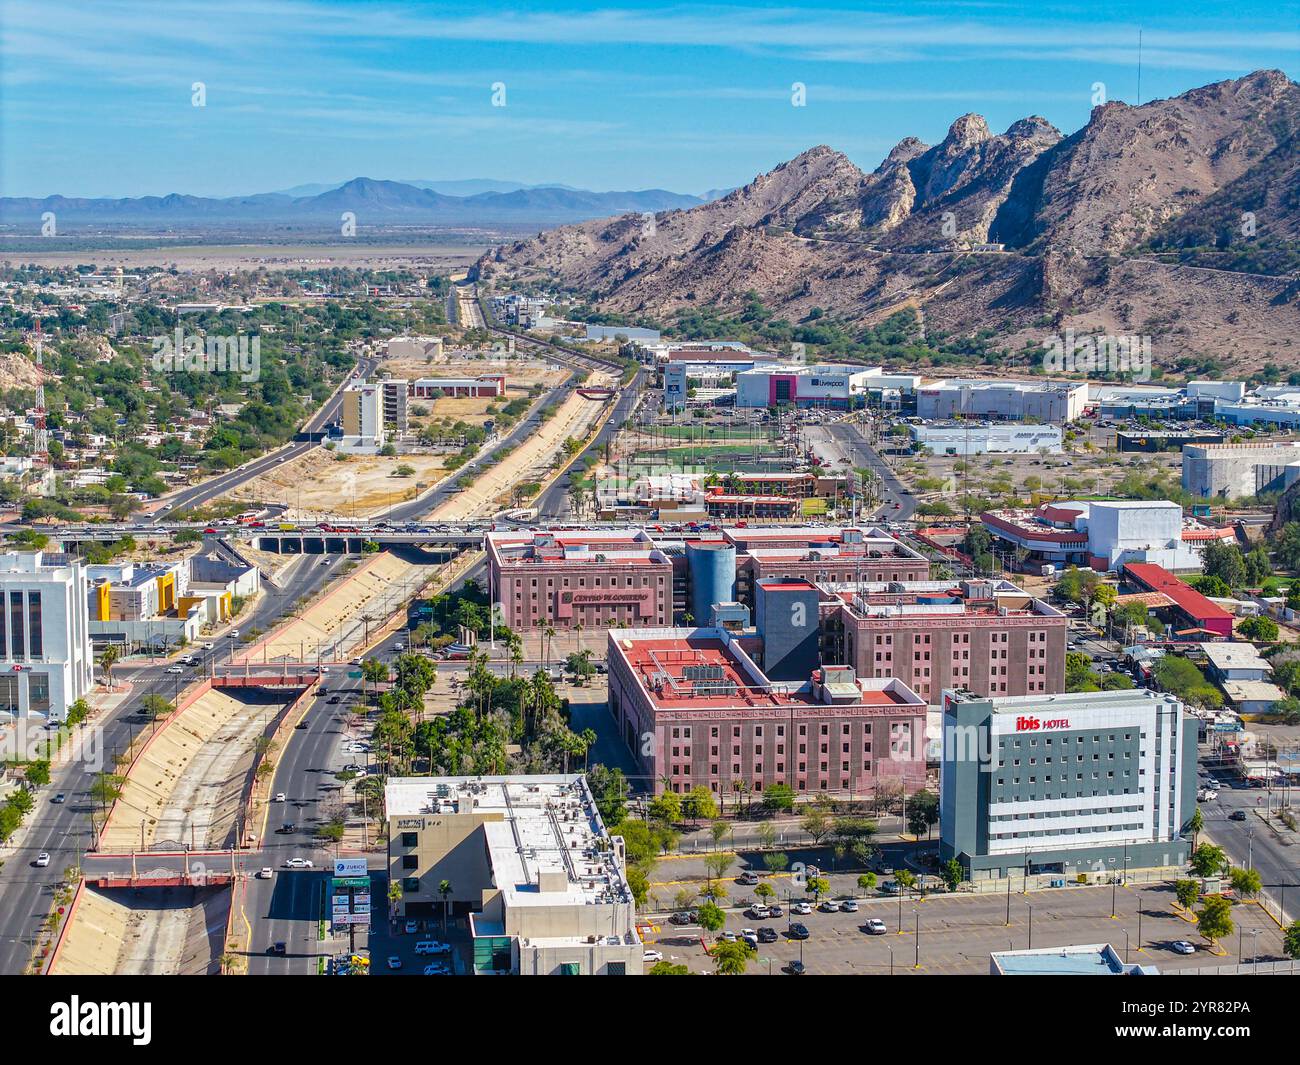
x,y
324,670
298,863
174,669
233,634
394,962
265,873
432,946
207,646
652,956
728,936
412,926
437,968
1183,947
42,860
801,907
875,926
279,796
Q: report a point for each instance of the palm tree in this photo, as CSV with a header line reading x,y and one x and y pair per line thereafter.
x,y
107,657
549,633
588,737
394,897
444,889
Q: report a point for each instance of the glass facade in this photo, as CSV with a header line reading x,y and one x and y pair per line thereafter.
x,y
34,624
17,643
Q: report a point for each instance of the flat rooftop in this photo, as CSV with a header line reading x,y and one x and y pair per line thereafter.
x,y
706,669
548,844
1092,959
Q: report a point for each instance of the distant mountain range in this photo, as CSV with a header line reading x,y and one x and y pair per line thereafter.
x,y
474,202
1178,219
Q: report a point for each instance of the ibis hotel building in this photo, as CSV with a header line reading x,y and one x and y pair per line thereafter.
x,y
1083,783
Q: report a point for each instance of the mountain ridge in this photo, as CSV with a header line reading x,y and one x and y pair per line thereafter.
x,y
1079,214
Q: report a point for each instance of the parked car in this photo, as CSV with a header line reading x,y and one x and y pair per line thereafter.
x,y
437,968
829,906
278,947
1183,947
279,796
652,956
333,699
874,927
394,962
750,937
801,908
432,946
767,934
174,669
849,906
412,926
799,931
796,968
748,877
685,917
352,767
759,912
265,873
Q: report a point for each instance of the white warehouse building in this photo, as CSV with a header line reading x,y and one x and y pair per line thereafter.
x,y
1238,471
1045,401
46,662
969,438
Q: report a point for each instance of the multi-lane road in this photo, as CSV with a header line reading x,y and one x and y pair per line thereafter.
x,y
63,830
208,490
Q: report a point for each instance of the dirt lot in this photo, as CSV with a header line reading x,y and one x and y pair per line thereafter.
x,y
576,417
323,483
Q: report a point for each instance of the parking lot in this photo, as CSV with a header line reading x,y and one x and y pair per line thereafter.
x,y
958,932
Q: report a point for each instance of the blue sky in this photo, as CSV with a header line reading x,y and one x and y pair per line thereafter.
x,y
95,95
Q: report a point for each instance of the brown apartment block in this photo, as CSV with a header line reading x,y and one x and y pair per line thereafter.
x,y
986,636
638,578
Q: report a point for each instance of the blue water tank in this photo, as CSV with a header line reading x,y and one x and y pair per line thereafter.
x,y
711,566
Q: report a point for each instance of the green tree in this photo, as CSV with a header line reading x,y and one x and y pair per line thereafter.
x,y
1245,882
731,959
817,886
1214,921
710,917
699,804
667,968
867,882
776,861
778,798
922,812
1262,629
37,773
952,873
1291,942
1208,860
666,807
1187,892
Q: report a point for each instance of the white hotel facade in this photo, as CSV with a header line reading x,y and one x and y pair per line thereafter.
x,y
46,662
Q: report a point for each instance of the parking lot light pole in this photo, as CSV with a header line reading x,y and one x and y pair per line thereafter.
x,y
916,964
891,958
1031,927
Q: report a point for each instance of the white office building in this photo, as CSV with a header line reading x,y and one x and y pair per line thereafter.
x,y
1085,783
45,655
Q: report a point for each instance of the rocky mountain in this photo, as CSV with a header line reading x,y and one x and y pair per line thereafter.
x,y
373,201
1132,224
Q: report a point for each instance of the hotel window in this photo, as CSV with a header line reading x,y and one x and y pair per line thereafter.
x,y
34,623
19,644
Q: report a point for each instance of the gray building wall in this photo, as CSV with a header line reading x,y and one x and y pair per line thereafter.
x,y
787,621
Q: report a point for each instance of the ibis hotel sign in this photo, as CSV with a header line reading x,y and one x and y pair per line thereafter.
x,y
1044,724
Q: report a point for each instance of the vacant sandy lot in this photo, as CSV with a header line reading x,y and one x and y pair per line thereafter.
x,y
576,417
323,483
